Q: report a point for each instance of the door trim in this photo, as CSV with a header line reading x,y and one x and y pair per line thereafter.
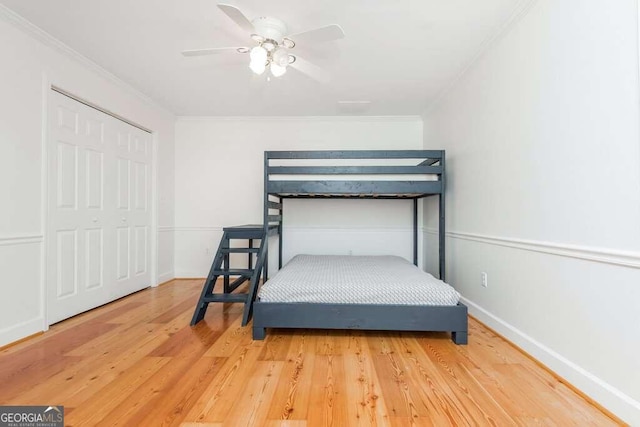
x,y
44,199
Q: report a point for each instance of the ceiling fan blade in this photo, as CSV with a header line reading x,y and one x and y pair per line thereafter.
x,y
237,16
323,34
210,51
310,70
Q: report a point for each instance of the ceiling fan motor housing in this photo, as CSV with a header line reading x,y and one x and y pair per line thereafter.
x,y
270,28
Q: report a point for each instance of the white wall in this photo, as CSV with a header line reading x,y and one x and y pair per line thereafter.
x,y
219,182
29,60
543,155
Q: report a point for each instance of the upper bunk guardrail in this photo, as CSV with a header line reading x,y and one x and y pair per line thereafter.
x,y
354,170
357,154
347,180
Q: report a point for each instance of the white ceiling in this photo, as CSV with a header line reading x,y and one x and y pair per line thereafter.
x,y
397,54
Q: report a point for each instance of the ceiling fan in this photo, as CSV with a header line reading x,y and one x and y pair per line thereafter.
x,y
272,44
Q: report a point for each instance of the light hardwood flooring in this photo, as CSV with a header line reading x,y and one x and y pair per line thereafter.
x,y
137,362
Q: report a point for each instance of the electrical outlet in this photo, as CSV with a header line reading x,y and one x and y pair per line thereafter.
x,y
483,277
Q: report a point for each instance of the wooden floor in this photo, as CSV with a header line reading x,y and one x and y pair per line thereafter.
x,y
138,362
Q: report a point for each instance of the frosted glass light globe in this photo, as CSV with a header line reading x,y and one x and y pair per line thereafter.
x,y
277,70
258,54
257,67
281,57
258,62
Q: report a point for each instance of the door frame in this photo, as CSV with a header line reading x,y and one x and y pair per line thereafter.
x,y
49,86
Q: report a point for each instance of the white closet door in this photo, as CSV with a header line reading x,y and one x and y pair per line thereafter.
x,y
132,210
98,238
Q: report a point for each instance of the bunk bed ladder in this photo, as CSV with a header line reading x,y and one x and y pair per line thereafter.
x,y
220,268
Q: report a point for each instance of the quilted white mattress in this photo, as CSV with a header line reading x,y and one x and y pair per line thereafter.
x,y
356,280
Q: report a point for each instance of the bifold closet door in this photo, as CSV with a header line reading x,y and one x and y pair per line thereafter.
x,y
99,216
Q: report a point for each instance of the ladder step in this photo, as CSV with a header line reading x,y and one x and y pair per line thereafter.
x,y
226,298
244,234
235,272
240,250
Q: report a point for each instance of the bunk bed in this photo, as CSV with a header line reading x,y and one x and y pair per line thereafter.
x,y
380,174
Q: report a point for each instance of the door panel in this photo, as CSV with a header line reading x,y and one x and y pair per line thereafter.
x,y
67,244
67,175
123,252
94,258
94,179
94,131
141,250
123,141
140,186
67,119
124,187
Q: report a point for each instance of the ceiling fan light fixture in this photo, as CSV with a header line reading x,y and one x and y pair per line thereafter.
x,y
280,57
257,67
258,59
259,54
277,70
271,46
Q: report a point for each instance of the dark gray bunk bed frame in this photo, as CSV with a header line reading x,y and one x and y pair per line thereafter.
x,y
356,316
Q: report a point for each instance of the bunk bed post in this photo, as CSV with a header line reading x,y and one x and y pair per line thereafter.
x,y
280,233
415,231
265,222
441,229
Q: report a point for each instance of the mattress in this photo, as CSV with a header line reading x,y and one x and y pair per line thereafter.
x,y
356,280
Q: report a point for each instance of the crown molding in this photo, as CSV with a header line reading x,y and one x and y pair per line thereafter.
x,y
409,118
520,11
50,41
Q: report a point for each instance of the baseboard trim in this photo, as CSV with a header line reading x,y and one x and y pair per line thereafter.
x,y
20,341
165,277
166,282
16,333
609,399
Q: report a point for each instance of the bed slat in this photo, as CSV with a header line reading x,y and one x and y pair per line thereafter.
x,y
354,187
354,170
